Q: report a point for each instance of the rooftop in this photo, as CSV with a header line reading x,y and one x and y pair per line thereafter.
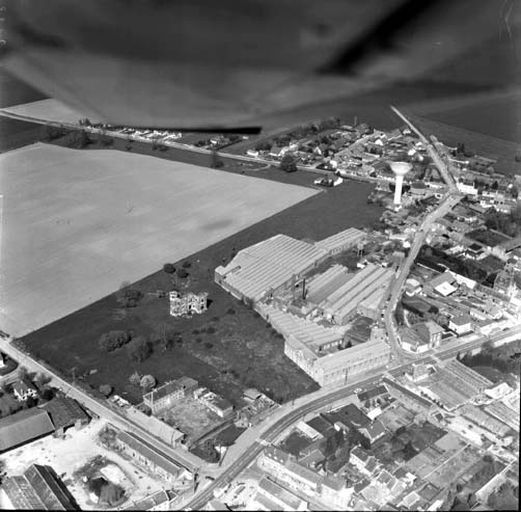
x,y
151,453
39,489
64,412
269,264
24,426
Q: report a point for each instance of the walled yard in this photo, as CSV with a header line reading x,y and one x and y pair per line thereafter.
x,y
78,223
228,348
192,417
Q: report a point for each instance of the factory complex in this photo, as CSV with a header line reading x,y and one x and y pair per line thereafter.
x,y
312,300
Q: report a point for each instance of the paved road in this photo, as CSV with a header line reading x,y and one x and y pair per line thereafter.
x,y
450,200
433,153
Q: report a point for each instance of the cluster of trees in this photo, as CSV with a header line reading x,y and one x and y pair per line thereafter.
x,y
139,349
169,268
79,139
127,296
461,150
288,163
112,340
53,133
216,162
507,223
506,358
505,498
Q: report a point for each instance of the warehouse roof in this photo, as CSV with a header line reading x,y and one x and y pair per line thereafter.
x,y
360,286
24,426
323,285
38,489
350,236
311,334
269,264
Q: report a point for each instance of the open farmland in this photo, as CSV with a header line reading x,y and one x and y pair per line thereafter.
x,y
47,109
228,348
503,151
76,224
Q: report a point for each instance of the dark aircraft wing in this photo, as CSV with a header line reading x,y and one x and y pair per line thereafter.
x,y
215,65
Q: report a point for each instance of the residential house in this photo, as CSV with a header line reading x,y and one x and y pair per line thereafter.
x,y
475,252
23,390
363,461
373,432
460,324
429,332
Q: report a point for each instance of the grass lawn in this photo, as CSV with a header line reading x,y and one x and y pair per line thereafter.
x,y
242,352
487,237
484,145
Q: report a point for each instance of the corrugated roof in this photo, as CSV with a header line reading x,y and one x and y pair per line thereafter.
x,y
49,488
270,263
349,236
279,493
24,426
151,501
344,300
306,331
149,452
38,489
326,283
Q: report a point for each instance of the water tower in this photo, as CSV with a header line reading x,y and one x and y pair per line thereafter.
x,y
400,169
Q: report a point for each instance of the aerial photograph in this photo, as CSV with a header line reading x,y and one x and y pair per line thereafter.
x,y
260,255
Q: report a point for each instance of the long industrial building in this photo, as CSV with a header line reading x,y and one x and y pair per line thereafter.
x,y
339,295
279,261
317,349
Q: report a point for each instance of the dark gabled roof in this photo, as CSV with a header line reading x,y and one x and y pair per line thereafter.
x,y
64,412
372,393
39,488
150,452
24,426
320,425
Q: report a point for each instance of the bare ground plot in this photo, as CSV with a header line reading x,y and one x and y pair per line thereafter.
x,y
191,417
228,348
455,467
78,223
68,455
